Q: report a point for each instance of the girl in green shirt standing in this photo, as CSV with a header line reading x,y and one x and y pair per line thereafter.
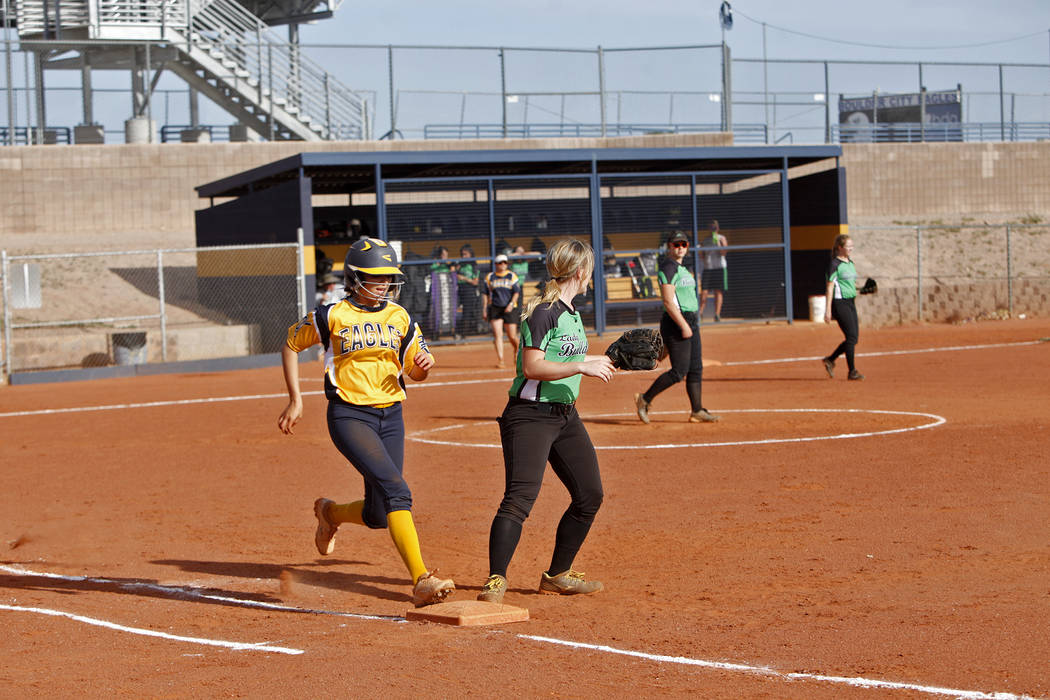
x,y
540,424
680,329
841,305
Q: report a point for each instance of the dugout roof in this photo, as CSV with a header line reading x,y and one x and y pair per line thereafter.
x,y
348,172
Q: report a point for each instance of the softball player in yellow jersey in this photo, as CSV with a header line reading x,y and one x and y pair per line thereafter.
x,y
370,343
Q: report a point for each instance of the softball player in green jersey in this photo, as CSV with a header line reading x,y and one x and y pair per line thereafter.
x,y
841,305
680,329
540,424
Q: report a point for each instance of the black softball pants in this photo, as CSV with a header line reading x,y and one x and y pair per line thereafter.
x,y
686,360
844,311
532,434
373,441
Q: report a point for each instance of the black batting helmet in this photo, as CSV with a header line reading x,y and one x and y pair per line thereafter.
x,y
370,256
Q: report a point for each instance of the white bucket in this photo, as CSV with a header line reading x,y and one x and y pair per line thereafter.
x,y
817,306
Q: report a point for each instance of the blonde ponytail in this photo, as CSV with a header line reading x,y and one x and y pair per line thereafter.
x,y
564,258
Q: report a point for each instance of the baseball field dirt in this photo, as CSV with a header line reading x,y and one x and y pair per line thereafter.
x,y
826,539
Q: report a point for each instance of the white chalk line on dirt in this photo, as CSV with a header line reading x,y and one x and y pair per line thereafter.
x,y
935,420
190,592
182,593
884,353
436,384
858,682
239,646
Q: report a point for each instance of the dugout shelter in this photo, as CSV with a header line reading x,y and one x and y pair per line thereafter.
x,y
780,208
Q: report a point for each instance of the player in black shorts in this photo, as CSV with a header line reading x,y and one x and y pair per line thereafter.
x,y
502,290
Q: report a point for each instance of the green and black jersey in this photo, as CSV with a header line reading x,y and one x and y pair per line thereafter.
x,y
684,284
844,275
559,333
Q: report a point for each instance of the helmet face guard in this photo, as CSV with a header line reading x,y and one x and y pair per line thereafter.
x,y
359,284
372,257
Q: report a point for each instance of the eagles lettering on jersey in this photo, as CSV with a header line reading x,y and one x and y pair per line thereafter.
x,y
368,335
365,349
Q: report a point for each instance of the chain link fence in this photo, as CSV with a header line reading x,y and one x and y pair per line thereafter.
x,y
415,92
86,310
940,272
82,310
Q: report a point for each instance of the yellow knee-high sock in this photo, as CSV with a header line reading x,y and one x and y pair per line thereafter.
x,y
403,532
340,513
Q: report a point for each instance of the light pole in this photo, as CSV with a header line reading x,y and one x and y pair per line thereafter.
x,y
725,19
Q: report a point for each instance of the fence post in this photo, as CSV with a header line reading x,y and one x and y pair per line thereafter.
x,y
918,268
1009,275
300,272
601,88
6,289
503,89
163,307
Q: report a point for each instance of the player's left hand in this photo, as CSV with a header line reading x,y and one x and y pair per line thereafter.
x,y
598,366
424,361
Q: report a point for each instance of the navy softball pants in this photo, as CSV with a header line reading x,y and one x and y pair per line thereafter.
x,y
373,441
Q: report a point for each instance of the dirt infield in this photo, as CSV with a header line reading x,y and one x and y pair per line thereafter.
x,y
827,539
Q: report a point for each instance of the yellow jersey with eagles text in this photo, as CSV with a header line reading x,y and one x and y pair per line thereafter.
x,y
366,349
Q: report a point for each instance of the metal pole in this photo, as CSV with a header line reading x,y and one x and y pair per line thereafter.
x,y
918,268
785,209
728,97
765,80
10,92
269,77
4,270
328,107
148,84
28,101
390,85
601,87
722,64
1002,108
922,114
503,89
827,105
300,271
163,307
85,87
41,107
1009,275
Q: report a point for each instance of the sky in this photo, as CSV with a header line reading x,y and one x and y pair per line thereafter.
x,y
463,86
915,29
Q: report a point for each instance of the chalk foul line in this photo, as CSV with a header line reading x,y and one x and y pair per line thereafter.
x,y
239,646
857,682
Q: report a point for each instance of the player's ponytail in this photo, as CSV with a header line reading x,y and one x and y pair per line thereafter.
x,y
564,258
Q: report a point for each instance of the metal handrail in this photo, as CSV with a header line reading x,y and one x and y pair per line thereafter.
x,y
243,44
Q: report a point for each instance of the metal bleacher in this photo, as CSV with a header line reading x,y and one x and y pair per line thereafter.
x,y
225,50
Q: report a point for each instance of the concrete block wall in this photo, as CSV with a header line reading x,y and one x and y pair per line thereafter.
x,y
87,197
954,302
949,182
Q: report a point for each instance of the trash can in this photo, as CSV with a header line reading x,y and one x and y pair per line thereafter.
x,y
129,348
817,306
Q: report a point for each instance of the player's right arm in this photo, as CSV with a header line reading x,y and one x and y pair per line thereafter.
x,y
300,336
294,410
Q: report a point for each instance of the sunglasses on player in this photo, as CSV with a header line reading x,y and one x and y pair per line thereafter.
x,y
680,244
